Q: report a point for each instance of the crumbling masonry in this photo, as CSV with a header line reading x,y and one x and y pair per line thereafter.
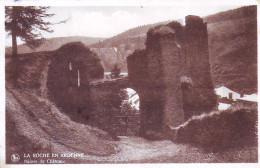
x,y
172,76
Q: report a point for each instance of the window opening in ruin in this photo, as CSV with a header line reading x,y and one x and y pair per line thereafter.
x,y
230,95
79,110
78,79
87,117
70,66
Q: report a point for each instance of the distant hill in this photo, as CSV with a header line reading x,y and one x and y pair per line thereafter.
x,y
133,33
232,47
114,50
54,43
243,12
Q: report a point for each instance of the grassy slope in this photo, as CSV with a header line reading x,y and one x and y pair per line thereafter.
x,y
35,124
231,134
218,131
233,49
42,127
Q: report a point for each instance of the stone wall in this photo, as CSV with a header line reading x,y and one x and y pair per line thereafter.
x,y
137,67
174,82
71,69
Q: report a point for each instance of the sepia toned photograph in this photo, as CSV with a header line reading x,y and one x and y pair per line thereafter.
x,y
131,84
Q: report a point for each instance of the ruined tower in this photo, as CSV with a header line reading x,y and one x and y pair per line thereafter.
x,y
172,76
200,96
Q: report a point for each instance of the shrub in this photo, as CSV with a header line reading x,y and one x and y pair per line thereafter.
x,y
115,71
220,130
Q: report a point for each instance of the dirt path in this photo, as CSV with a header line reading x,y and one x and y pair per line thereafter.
x,y
139,150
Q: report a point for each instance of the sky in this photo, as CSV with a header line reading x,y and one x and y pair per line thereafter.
x,y
108,21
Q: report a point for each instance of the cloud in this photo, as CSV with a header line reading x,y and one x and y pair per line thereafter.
x,y
110,21
97,24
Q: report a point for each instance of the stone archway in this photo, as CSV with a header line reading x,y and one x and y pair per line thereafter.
x,y
126,122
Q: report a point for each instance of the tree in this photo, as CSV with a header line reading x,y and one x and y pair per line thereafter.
x,y
27,22
115,72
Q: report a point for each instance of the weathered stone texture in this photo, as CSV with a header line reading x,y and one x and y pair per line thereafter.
x,y
176,74
137,67
198,68
173,68
71,69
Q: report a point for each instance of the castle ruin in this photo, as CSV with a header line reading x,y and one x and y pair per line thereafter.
x,y
172,75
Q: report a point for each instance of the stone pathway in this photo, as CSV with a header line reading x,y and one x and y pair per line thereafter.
x,y
139,150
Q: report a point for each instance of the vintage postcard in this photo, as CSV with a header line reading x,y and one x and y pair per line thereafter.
x,y
129,82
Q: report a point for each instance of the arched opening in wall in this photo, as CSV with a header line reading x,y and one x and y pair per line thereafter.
x,y
127,119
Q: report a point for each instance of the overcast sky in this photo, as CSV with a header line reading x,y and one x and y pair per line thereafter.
x,y
109,21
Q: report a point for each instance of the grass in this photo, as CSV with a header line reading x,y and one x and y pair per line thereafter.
x,y
34,124
38,123
220,131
